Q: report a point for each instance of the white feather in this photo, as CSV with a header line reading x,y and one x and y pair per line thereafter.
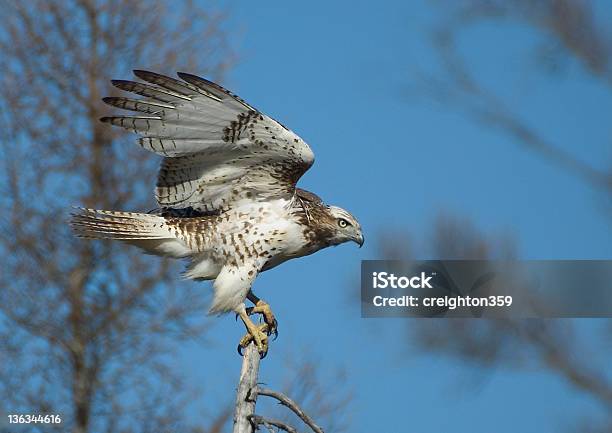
x,y
231,287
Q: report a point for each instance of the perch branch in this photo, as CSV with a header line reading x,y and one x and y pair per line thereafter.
x,y
245,420
286,401
245,397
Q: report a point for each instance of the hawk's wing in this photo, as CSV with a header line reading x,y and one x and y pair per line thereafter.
x,y
218,149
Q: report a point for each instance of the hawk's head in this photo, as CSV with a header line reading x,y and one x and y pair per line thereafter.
x,y
342,227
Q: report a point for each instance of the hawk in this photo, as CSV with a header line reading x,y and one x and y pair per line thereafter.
x,y
226,190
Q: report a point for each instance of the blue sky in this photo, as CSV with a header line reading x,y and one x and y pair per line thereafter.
x,y
340,74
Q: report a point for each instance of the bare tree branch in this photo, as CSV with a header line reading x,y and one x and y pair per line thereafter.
x,y
269,423
245,419
286,401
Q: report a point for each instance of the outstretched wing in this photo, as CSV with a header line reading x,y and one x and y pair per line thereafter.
x,y
218,149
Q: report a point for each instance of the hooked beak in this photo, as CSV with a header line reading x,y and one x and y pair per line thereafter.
x,y
359,240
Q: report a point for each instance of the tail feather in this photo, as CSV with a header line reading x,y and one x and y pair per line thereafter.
x,y
149,232
101,224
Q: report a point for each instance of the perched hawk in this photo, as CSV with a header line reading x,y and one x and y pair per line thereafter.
x,y
228,201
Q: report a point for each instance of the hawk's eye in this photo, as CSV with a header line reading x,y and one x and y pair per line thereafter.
x,y
343,223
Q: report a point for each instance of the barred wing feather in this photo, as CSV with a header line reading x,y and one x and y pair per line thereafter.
x,y
218,150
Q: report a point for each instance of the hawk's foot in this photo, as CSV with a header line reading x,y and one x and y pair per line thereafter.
x,y
263,308
258,334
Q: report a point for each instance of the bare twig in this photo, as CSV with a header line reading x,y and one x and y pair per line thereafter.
x,y
286,401
269,423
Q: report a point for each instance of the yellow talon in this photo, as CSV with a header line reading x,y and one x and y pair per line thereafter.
x,y
259,336
264,309
255,333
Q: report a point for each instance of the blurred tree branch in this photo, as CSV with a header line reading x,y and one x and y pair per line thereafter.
x,y
555,346
85,328
569,23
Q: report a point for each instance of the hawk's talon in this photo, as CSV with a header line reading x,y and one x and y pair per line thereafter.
x,y
274,329
263,308
259,336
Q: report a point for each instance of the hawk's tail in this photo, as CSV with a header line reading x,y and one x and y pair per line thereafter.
x,y
104,224
149,232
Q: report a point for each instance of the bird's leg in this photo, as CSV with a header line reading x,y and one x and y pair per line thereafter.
x,y
263,308
256,333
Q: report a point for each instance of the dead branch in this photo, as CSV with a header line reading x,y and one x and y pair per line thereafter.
x,y
245,397
245,419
